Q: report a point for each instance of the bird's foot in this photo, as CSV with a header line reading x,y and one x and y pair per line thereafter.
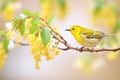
x,y
81,49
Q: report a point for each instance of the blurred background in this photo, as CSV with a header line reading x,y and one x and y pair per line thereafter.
x,y
102,15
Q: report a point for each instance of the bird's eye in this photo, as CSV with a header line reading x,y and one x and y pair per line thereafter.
x,y
73,28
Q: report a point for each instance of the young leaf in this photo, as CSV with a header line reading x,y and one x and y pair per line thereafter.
x,y
22,27
27,13
45,36
50,19
5,43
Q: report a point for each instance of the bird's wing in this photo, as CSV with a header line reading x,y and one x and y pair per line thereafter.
x,y
92,34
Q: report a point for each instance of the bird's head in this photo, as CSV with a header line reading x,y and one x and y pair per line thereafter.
x,y
74,29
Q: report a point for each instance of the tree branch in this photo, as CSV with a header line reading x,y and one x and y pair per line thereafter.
x,y
81,49
58,37
90,50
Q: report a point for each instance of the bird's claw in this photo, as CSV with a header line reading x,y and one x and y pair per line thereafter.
x,y
81,49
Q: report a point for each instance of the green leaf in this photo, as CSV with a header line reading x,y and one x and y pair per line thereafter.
x,y
27,13
35,21
45,36
50,19
15,22
62,3
98,6
117,26
33,28
97,9
3,4
5,43
34,25
36,15
22,27
2,33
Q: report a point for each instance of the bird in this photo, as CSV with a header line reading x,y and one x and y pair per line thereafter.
x,y
87,37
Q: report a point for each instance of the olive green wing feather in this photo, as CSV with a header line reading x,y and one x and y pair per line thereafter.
x,y
92,34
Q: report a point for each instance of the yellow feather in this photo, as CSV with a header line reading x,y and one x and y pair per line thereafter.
x,y
86,37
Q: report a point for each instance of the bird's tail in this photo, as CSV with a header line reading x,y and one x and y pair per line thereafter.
x,y
110,35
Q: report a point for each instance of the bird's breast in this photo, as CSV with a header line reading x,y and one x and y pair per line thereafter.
x,y
86,42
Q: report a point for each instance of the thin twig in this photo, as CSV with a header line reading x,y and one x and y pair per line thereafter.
x,y
22,44
53,30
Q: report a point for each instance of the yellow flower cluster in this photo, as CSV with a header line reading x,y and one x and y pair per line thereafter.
x,y
9,11
50,8
106,17
27,25
62,11
10,34
3,56
47,8
38,50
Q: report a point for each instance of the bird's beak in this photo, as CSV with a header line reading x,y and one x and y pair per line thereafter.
x,y
67,29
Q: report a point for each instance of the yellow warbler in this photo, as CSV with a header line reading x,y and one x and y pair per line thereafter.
x,y
87,37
